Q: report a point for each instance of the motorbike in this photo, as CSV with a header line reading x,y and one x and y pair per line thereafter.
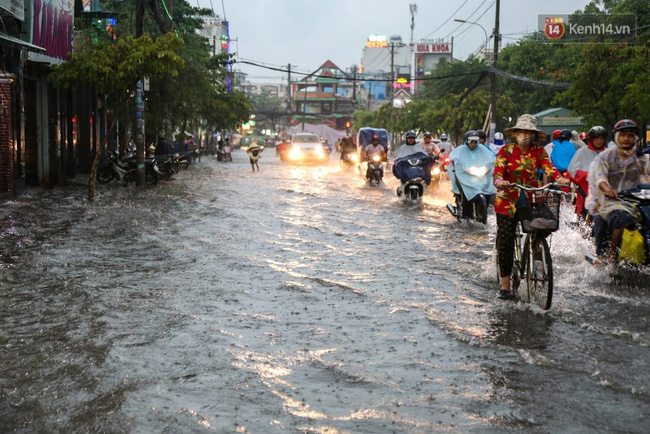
x,y
349,159
471,203
635,246
414,171
436,174
125,169
375,170
224,154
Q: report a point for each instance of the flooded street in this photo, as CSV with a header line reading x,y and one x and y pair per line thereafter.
x,y
298,299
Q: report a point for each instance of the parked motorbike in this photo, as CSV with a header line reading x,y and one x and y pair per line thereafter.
x,y
472,188
125,169
414,171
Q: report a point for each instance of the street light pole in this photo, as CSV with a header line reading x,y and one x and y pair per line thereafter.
x,y
458,20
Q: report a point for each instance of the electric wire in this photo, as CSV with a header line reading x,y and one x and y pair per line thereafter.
x,y
448,19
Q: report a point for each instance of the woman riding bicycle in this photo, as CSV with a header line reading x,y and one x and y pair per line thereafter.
x,y
518,163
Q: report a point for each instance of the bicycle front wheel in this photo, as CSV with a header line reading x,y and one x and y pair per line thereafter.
x,y
539,271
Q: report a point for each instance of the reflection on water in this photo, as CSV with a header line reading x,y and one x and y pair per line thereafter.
x,y
298,298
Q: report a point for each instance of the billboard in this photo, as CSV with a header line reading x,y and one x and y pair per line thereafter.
x,y
52,29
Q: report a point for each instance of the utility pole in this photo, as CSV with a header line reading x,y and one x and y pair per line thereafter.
x,y
139,104
495,34
354,83
392,72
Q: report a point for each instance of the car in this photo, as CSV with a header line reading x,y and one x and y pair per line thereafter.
x,y
306,148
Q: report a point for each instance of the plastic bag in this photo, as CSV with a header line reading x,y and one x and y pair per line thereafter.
x,y
632,248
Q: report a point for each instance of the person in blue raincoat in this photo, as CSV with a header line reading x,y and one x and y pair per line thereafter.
x,y
563,152
472,166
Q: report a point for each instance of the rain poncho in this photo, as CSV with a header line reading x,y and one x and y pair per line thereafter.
x,y
620,174
579,168
463,158
406,150
562,155
404,171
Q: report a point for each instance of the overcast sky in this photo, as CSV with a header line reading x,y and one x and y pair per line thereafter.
x,y
306,33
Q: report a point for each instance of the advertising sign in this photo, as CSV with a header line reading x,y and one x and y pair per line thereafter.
x,y
588,28
52,29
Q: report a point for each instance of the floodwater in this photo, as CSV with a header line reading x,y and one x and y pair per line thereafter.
x,y
298,299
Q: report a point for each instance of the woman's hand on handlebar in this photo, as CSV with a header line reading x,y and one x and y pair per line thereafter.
x,y
564,181
500,185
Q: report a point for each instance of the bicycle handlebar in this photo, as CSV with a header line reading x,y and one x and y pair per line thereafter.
x,y
548,187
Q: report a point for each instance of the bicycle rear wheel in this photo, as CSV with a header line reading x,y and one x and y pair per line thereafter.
x,y
539,271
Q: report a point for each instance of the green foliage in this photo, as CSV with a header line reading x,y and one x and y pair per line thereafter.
x,y
114,68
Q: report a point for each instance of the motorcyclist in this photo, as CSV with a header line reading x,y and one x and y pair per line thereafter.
x,y
464,181
429,146
373,150
580,163
614,170
497,143
445,145
481,137
406,150
163,147
563,151
347,146
409,147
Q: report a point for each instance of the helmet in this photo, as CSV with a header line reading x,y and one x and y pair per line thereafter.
x,y
481,134
583,136
443,137
625,125
375,137
471,135
427,134
565,135
597,131
410,135
556,134
498,136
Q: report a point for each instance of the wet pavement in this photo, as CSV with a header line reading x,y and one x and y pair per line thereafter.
x,y
299,299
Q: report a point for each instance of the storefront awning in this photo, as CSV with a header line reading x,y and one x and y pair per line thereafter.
x,y
18,43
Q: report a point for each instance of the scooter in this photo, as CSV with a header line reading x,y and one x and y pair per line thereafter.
x,y
635,247
436,175
349,159
474,189
415,173
375,170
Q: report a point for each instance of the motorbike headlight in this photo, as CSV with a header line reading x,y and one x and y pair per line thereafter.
x,y
435,171
295,153
318,150
376,159
354,157
477,171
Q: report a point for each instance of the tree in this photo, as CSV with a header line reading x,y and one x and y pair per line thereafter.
x,y
115,68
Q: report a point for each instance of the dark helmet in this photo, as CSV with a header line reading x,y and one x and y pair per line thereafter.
x,y
410,135
443,137
597,131
565,135
481,134
375,137
625,125
471,135
556,134
427,134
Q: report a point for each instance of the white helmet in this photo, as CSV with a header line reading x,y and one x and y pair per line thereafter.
x,y
498,136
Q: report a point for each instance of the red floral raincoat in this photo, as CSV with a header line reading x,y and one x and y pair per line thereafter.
x,y
513,166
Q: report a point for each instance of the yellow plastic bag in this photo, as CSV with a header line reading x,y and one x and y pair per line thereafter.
x,y
632,249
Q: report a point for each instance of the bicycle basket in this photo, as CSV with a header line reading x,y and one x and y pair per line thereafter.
x,y
545,213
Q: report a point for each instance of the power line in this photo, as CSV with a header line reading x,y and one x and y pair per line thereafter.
x,y
467,19
448,19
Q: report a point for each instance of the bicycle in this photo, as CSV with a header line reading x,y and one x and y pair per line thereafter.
x,y
533,262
